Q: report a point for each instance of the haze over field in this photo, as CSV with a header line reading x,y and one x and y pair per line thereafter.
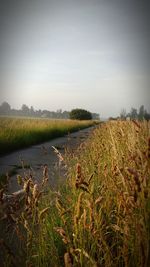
x,y
66,54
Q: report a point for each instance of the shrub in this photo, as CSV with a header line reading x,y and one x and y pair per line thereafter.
x,y
80,114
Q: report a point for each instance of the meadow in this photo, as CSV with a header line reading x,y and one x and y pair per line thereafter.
x,y
16,133
99,217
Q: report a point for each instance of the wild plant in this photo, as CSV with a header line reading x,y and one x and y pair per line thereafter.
x,y
100,215
108,190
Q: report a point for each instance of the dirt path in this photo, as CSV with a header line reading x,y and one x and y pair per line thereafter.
x,y
35,157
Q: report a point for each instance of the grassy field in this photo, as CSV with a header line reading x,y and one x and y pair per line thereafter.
x,y
100,217
16,133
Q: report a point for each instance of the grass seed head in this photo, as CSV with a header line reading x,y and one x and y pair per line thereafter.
x,y
19,180
43,213
62,233
68,260
26,186
35,191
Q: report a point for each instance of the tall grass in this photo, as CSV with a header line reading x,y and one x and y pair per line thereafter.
x,y
101,215
18,133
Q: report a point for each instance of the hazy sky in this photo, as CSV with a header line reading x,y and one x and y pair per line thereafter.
x,y
92,54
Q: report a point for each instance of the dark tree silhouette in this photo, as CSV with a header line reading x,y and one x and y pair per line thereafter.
x,y
5,108
80,114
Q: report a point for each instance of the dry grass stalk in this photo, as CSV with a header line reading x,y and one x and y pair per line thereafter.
x,y
45,175
43,213
62,233
80,180
59,155
78,209
68,260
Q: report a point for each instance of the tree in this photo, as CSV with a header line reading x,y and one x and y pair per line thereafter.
x,y
147,115
123,114
25,109
95,116
141,112
5,108
80,114
32,112
133,114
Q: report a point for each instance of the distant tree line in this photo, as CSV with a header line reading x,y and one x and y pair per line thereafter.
x,y
6,110
134,114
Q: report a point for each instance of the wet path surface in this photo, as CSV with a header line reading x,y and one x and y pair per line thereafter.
x,y
34,158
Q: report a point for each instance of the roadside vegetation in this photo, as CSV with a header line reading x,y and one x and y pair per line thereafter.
x,y
99,217
16,133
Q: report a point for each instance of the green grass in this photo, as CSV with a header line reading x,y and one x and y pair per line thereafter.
x,y
16,133
101,215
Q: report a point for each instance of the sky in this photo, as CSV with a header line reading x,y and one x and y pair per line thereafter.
x,y
65,54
